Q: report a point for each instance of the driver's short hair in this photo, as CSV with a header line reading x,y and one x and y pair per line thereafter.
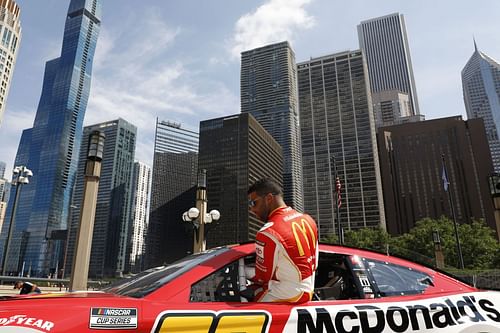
x,y
264,186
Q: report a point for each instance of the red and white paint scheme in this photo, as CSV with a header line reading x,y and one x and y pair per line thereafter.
x,y
356,291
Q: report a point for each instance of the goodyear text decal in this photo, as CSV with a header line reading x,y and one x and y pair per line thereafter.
x,y
211,322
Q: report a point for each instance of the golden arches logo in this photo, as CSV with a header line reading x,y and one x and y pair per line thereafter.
x,y
304,228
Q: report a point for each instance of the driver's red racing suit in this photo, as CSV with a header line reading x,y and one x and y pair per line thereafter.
x,y
286,257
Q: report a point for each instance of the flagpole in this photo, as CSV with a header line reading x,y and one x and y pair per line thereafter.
x,y
447,188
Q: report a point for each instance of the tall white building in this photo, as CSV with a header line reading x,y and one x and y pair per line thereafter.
x,y
384,43
141,183
10,37
481,89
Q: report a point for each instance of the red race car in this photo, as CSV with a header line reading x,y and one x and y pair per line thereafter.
x,y
356,291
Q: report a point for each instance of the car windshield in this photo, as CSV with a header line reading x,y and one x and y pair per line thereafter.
x,y
150,280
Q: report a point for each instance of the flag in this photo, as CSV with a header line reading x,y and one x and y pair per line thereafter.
x,y
445,180
338,187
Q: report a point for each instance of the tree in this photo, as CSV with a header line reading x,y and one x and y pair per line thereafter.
x,y
368,238
479,246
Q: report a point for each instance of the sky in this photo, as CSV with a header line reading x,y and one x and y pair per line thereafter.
x,y
179,60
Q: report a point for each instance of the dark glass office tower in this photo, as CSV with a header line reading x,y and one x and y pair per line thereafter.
x,y
50,148
173,191
236,151
338,129
269,93
112,222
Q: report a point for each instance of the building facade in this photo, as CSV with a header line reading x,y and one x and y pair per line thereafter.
x,y
173,191
3,166
236,151
384,43
412,169
481,90
112,222
338,132
269,93
10,31
141,188
50,147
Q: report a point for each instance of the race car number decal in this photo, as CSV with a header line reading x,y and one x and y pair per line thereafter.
x,y
475,312
212,322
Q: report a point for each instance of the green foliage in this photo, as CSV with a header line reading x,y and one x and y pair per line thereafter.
x,y
480,249
368,238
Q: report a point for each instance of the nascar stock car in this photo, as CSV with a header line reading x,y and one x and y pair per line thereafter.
x,y
356,291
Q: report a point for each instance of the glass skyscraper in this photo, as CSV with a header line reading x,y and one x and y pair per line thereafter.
x,y
338,132
481,89
236,151
112,222
10,33
50,147
141,183
173,191
269,93
384,43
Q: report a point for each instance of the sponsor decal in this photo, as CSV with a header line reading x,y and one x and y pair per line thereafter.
x,y
259,250
212,322
113,318
27,321
474,312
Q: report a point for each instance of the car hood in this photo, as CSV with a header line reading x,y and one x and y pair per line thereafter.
x,y
56,295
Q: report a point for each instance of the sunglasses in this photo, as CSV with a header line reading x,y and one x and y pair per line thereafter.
x,y
253,202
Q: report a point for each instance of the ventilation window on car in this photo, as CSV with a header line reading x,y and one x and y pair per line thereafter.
x,y
391,279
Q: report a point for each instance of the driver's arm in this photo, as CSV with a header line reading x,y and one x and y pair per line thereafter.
x,y
265,251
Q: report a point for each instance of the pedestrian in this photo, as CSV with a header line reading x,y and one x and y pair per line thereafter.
x,y
27,288
286,247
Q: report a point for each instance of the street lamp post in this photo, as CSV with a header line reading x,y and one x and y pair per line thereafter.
x,y
198,215
21,175
494,182
438,250
80,271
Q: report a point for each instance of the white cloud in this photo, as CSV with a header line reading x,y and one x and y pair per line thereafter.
x,y
14,122
138,77
274,21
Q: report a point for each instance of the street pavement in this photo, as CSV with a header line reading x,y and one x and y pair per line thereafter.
x,y
8,290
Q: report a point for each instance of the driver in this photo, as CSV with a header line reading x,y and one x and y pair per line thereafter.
x,y
286,247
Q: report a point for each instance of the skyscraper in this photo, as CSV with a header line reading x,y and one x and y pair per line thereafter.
x,y
50,148
112,222
141,183
173,191
481,89
412,170
4,193
3,166
338,132
268,92
384,43
236,151
10,31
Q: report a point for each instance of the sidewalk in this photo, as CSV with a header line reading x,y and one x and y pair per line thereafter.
x,y
7,290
